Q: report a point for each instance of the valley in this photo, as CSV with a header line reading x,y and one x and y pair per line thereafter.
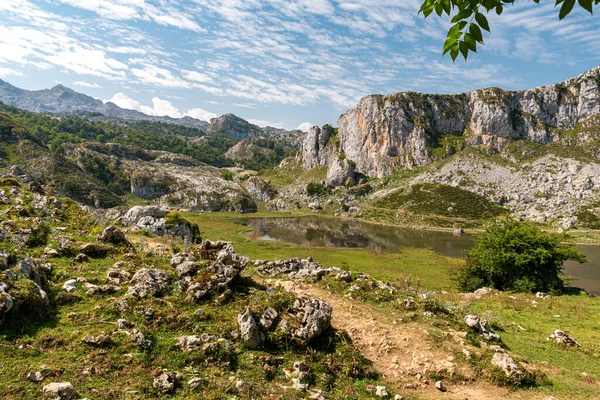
x,y
146,257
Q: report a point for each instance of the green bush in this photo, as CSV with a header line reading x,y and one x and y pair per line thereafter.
x,y
317,189
227,174
514,255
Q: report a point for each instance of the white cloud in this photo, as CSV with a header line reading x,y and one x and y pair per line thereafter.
x,y
159,107
87,84
263,123
305,126
124,101
196,76
200,114
6,72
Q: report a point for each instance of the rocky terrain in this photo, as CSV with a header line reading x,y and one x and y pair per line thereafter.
x,y
534,152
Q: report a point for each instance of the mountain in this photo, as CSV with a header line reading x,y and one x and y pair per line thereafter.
x,y
65,101
61,99
536,152
386,133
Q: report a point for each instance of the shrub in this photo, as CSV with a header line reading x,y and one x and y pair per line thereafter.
x,y
514,255
317,189
227,174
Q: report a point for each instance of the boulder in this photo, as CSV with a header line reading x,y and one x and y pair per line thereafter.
x,y
480,326
268,318
148,282
113,235
101,340
250,333
59,391
508,365
341,173
6,301
136,213
314,317
70,285
561,337
165,382
93,250
35,376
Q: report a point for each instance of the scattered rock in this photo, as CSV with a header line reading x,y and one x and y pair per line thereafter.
x,y
113,235
35,376
59,391
124,324
195,383
6,302
480,326
508,365
70,285
543,296
299,269
250,333
459,232
117,276
381,391
561,337
165,382
148,282
439,385
314,317
139,339
101,340
268,318
93,250
81,258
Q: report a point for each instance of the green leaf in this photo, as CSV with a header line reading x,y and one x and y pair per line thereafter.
x,y
464,49
566,8
471,44
499,9
482,21
454,53
587,5
447,6
476,33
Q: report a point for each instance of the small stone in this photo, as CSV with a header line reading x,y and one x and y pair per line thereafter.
x,y
124,324
199,313
439,385
35,376
398,397
101,340
59,391
195,383
165,382
381,391
240,384
70,285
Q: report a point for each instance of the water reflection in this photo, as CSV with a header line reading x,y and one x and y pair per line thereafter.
x,y
327,232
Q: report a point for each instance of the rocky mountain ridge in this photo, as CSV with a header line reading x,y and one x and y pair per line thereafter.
x,y
384,134
62,100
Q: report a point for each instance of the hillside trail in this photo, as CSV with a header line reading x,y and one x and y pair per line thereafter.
x,y
401,352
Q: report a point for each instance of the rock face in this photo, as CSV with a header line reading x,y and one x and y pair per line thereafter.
x,y
317,149
234,126
386,133
341,173
260,189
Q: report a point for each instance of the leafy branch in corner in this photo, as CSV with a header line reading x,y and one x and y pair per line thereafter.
x,y
469,19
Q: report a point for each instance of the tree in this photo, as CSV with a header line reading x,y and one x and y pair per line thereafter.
x,y
515,255
469,21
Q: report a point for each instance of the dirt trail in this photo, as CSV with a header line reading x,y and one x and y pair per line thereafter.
x,y
400,351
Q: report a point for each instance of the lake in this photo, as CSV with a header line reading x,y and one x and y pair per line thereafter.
x,y
330,232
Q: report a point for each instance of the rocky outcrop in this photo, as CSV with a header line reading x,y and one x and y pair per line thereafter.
x,y
166,178
318,149
386,133
341,173
157,220
246,150
260,189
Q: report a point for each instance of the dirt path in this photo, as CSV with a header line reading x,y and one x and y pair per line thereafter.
x,y
400,351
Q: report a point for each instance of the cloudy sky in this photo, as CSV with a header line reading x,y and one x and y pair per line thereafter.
x,y
282,63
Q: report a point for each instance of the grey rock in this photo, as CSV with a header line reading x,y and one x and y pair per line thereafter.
x,y
165,382
59,391
101,340
139,339
341,173
124,324
6,301
268,318
381,391
70,285
195,383
561,337
117,276
314,317
250,333
113,235
148,282
508,365
480,326
35,376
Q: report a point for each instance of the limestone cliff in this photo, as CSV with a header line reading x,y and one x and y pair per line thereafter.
x,y
387,133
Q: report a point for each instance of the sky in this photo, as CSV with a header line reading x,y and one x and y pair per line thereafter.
x,y
280,63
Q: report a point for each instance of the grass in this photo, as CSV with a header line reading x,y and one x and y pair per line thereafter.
x,y
432,268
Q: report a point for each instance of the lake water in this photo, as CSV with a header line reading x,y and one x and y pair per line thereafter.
x,y
329,232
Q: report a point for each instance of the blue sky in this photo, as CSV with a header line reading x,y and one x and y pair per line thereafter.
x,y
275,62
